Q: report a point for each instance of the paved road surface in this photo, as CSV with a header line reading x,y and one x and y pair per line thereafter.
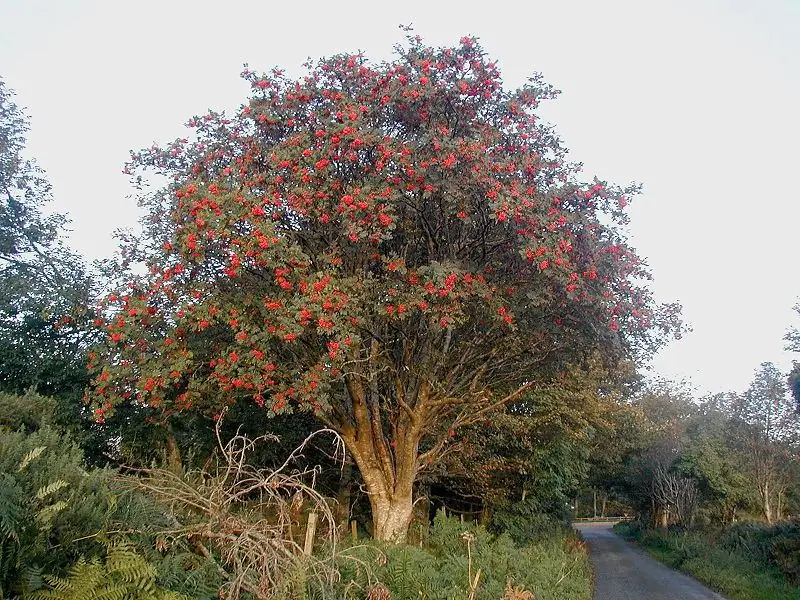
x,y
623,572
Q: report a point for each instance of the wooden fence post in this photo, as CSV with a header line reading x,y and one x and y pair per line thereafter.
x,y
311,530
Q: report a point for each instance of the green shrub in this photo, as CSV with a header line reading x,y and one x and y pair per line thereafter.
x,y
47,503
553,568
747,561
630,530
525,523
123,574
56,516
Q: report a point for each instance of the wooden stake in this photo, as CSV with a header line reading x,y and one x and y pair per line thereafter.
x,y
311,530
354,530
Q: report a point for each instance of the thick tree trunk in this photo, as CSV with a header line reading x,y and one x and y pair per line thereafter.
x,y
391,517
389,485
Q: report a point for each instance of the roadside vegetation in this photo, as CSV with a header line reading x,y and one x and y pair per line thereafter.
x,y
746,561
231,530
714,486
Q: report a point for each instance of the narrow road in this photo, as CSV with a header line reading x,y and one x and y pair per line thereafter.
x,y
624,572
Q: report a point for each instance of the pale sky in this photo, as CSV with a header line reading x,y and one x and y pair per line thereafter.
x,y
699,100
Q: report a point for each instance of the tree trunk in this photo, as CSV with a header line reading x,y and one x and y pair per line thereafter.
x,y
391,518
663,521
594,499
173,454
389,482
766,502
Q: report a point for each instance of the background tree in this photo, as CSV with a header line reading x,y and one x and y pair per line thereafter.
x,y
710,458
666,411
531,457
44,287
399,248
767,430
792,339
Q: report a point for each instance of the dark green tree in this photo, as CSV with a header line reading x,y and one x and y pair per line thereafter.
x,y
767,432
44,287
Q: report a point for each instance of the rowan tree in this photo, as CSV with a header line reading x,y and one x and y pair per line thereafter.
x,y
399,247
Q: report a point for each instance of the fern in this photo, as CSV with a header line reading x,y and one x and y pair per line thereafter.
x,y
125,575
11,511
30,457
46,515
50,489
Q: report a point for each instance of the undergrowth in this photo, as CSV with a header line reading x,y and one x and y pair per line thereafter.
x,y
73,533
465,561
745,561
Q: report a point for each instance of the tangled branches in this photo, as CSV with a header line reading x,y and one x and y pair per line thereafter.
x,y
247,519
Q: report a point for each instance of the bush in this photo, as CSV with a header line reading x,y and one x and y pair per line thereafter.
x,y
56,517
526,523
47,504
458,553
747,561
630,530
123,574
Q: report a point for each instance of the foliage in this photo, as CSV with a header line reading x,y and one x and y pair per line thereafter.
x,y
722,484
552,568
737,454
665,413
47,502
55,513
766,431
45,290
534,453
743,561
123,575
397,247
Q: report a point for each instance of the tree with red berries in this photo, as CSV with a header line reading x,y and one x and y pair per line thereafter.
x,y
400,248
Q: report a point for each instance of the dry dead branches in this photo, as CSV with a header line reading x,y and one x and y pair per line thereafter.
x,y
247,519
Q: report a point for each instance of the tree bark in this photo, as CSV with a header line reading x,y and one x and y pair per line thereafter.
x,y
389,485
391,506
766,502
779,504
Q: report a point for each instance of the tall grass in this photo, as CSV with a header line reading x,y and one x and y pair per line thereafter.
x,y
465,561
743,562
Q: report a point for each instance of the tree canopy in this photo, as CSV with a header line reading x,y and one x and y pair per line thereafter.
x,y
44,287
397,247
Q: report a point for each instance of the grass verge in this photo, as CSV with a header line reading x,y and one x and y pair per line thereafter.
x,y
465,561
730,561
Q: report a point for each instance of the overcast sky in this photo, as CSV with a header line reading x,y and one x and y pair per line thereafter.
x,y
699,100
